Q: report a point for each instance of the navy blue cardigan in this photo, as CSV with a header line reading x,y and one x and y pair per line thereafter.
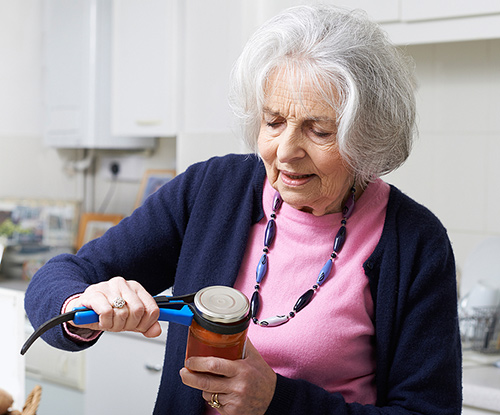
x,y
193,232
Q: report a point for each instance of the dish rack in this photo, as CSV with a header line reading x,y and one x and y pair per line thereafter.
x,y
480,329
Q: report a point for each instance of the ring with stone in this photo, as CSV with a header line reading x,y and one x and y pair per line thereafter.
x,y
214,402
118,302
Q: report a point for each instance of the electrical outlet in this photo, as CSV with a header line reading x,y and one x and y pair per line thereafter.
x,y
131,168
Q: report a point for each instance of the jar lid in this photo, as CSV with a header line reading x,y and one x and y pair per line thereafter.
x,y
221,304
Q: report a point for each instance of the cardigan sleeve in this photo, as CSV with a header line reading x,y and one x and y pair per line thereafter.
x,y
143,247
173,237
418,343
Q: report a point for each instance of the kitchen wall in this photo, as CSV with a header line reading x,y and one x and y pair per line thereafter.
x,y
26,167
453,170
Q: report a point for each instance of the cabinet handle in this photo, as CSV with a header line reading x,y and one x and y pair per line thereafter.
x,y
153,368
148,123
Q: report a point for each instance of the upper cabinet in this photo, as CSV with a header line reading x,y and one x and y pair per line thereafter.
x,y
413,10
144,67
109,73
415,21
435,21
380,10
212,39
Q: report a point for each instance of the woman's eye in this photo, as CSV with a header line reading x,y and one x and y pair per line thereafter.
x,y
322,131
321,134
274,124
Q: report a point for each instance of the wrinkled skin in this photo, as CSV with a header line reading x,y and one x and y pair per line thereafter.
x,y
244,387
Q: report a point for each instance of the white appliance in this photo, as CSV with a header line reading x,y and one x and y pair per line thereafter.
x,y
77,76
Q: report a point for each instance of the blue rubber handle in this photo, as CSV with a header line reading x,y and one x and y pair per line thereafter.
x,y
183,316
85,317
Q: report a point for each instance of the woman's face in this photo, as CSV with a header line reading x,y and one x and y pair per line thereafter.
x,y
297,141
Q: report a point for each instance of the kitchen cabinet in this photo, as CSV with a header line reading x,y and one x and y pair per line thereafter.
x,y
380,10
416,21
95,381
445,9
144,67
56,398
120,374
77,76
213,35
61,375
437,21
54,366
123,374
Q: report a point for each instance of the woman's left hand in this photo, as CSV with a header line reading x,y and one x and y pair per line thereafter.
x,y
244,387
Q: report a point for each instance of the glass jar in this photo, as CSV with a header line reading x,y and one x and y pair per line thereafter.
x,y
220,324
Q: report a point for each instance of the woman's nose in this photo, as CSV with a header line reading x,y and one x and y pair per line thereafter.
x,y
290,145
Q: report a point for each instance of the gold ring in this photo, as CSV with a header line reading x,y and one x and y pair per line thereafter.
x,y
214,402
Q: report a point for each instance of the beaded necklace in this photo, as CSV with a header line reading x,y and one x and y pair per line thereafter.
x,y
261,271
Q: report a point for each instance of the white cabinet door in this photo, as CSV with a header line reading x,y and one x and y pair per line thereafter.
x,y
212,33
442,9
123,374
68,81
144,71
11,362
380,10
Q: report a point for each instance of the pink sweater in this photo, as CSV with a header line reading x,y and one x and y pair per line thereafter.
x,y
330,342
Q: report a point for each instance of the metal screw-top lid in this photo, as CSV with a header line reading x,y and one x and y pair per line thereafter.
x,y
221,304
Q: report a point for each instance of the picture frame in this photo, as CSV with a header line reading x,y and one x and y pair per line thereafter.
x,y
152,180
93,225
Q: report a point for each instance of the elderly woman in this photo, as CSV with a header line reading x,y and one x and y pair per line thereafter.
x,y
328,104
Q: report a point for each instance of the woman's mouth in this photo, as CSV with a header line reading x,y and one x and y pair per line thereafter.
x,y
294,179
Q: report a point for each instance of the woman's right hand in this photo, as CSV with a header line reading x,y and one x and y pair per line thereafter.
x,y
139,314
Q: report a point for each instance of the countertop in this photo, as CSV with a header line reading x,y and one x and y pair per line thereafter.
x,y
481,381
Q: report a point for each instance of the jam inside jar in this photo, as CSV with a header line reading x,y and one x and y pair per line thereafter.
x,y
202,342
220,323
